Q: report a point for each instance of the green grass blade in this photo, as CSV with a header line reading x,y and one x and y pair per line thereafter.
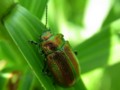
x,y
26,80
3,82
6,4
94,52
114,13
36,7
22,27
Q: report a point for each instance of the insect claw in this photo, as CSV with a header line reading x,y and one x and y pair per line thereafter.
x,y
76,53
33,42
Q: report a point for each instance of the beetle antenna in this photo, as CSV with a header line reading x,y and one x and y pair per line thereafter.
x,y
46,16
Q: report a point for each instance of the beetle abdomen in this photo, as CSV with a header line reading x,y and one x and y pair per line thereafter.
x,y
72,59
60,68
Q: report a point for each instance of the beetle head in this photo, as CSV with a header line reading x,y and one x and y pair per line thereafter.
x,y
49,47
46,35
53,43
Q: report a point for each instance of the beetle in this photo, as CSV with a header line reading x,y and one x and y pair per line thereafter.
x,y
61,61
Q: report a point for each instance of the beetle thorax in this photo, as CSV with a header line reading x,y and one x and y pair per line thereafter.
x,y
46,35
49,47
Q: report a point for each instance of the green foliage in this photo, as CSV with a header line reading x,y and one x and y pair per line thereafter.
x,y
92,29
6,4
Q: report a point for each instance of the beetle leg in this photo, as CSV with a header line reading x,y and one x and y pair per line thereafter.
x,y
33,42
76,53
40,51
45,68
54,83
37,44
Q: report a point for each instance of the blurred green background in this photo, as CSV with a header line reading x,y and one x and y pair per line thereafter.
x,y
91,26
